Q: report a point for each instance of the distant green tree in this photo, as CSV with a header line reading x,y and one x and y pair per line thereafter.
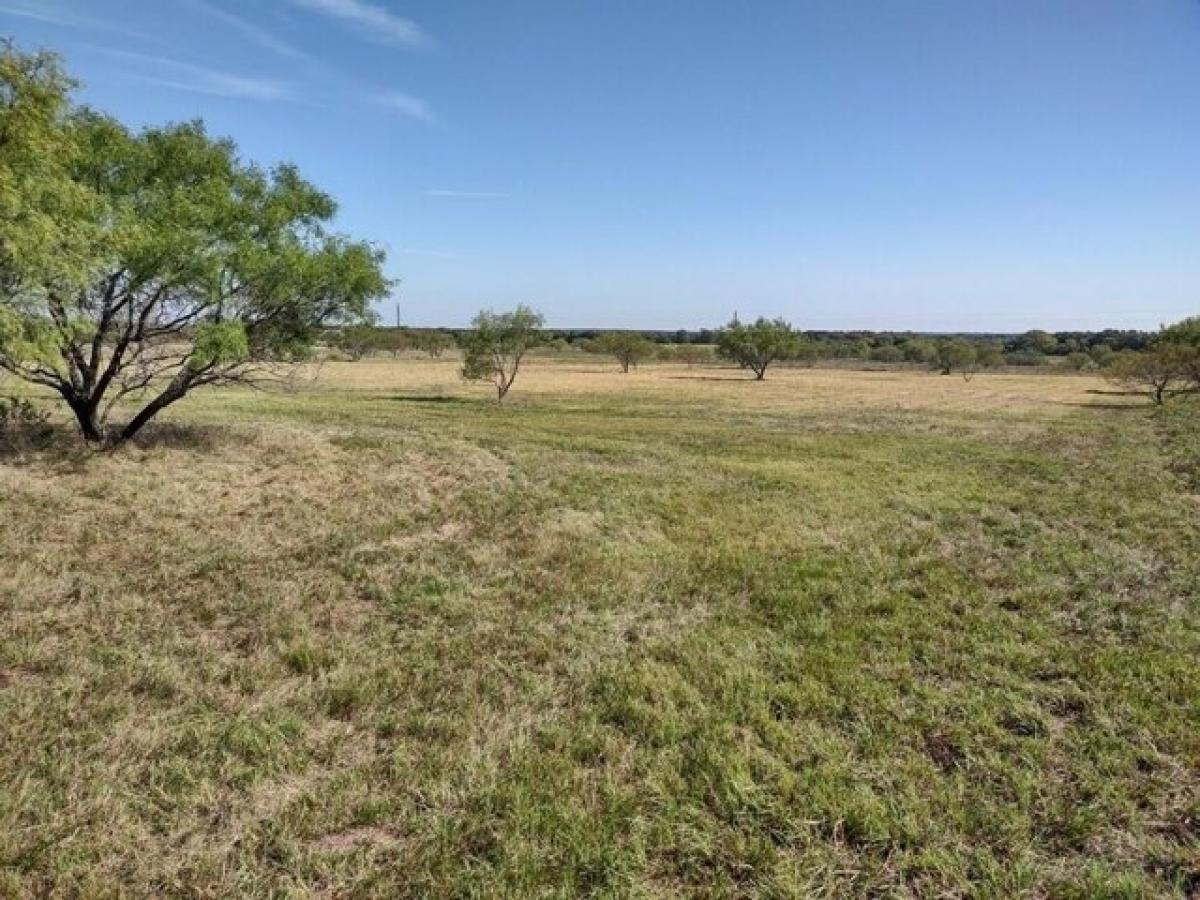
x,y
138,267
1078,361
359,341
431,341
919,350
956,355
989,356
393,340
1185,333
628,347
756,346
888,353
1039,342
497,343
859,349
1102,356
1024,358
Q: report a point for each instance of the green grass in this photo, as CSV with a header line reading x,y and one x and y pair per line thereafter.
x,y
618,644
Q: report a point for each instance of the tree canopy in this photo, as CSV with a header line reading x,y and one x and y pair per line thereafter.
x,y
956,355
138,266
1169,366
1161,371
628,347
497,343
756,346
1184,336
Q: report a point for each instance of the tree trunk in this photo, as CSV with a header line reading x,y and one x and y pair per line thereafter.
x,y
85,415
173,392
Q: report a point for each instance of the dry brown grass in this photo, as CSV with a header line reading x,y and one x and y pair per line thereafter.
x,y
785,389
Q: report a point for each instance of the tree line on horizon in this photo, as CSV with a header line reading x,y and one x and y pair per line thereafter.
x,y
951,352
861,342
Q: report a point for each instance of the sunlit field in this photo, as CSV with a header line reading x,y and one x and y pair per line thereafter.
x,y
671,633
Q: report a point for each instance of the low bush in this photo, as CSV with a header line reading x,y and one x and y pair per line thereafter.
x,y
22,421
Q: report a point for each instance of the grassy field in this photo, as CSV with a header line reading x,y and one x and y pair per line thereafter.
x,y
674,633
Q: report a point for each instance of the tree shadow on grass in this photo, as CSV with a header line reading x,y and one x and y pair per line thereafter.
x,y
169,436
1109,407
426,398
21,444
60,445
712,378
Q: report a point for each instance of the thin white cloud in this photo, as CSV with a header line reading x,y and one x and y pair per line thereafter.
x,y
250,31
405,105
469,195
53,15
218,84
182,76
377,21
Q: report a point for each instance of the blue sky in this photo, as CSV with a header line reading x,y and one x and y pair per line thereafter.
x,y
953,165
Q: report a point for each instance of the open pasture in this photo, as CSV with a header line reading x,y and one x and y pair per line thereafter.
x,y
670,633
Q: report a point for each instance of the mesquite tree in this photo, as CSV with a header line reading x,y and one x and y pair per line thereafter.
x,y
139,266
497,343
628,348
756,346
957,355
1183,339
1170,365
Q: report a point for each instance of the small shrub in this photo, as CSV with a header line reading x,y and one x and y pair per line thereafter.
x,y
989,356
20,418
1103,356
1078,361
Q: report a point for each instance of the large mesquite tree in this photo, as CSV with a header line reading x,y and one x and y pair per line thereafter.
x,y
759,344
136,267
